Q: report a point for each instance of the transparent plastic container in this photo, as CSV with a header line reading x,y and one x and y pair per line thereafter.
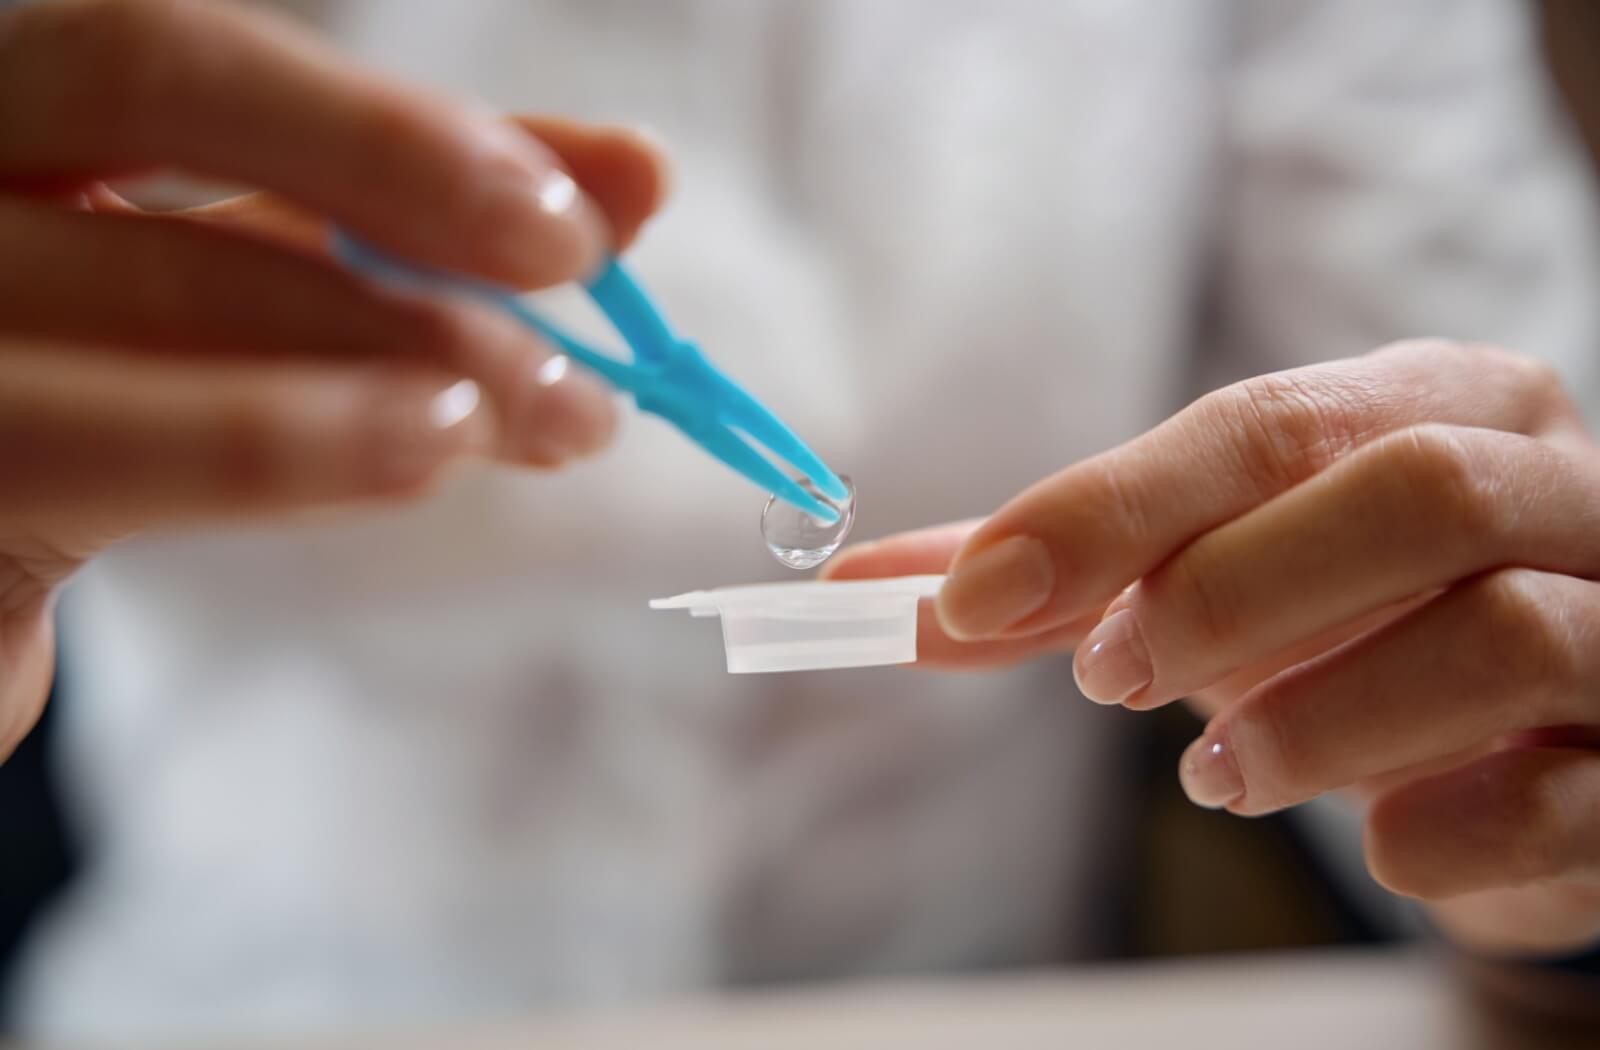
x,y
813,625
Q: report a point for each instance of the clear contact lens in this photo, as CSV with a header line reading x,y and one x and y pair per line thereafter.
x,y
801,541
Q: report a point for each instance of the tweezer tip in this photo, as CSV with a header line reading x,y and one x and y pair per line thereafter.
x,y
829,517
823,512
831,486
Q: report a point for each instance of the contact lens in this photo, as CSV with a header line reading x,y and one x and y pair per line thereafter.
x,y
801,541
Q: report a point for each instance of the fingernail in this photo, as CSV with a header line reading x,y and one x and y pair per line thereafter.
x,y
538,225
657,144
418,431
995,588
845,556
1209,774
1123,599
567,417
452,405
647,134
553,370
1112,663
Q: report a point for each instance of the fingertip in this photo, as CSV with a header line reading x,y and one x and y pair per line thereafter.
x,y
936,649
919,552
253,439
623,170
995,587
482,198
417,426
1377,832
559,416
1113,664
854,562
528,220
640,183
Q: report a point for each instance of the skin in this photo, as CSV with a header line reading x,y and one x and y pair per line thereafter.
x,y
158,369
1372,576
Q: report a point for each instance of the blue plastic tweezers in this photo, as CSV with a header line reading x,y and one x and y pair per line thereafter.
x,y
668,376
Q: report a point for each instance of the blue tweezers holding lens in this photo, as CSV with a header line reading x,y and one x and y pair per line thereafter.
x,y
668,376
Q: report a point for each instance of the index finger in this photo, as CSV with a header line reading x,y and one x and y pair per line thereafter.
x,y
622,172
98,86
1071,542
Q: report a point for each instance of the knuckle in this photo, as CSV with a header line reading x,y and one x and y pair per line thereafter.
x,y
1518,618
1283,758
1438,354
1282,764
1530,380
1444,474
1537,377
1510,820
1131,508
1528,374
1541,386
1206,609
1535,812
1291,425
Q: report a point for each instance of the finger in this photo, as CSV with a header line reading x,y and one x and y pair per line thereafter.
x,y
27,664
107,437
921,552
1210,701
622,172
936,650
1076,539
1539,920
550,414
267,216
98,86
100,198
1406,514
1508,651
150,282
1514,818
926,552
153,283
92,195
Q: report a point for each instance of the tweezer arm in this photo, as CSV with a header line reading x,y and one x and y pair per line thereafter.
x,y
631,312
667,376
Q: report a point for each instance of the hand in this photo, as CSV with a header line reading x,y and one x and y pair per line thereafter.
x,y
157,368
1373,574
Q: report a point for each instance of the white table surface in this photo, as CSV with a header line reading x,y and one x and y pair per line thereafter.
x,y
1313,1001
